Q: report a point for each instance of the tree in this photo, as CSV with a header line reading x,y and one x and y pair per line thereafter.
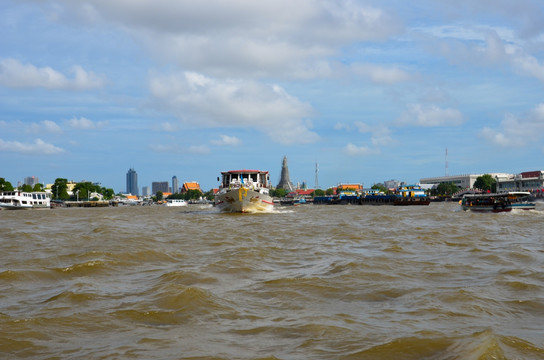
x,y
26,188
486,183
38,187
85,189
330,191
159,195
5,185
192,194
60,189
446,188
280,193
318,192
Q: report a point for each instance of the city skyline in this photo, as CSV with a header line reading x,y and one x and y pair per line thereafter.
x,y
370,91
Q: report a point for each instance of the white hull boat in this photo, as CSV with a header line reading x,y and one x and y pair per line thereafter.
x,y
20,200
244,191
176,202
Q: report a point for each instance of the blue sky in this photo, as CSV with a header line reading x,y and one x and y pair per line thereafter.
x,y
370,90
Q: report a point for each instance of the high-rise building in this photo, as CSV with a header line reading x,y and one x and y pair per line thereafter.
x,y
146,191
161,186
132,182
31,180
285,182
175,185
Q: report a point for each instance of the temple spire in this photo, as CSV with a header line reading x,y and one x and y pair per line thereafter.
x,y
285,182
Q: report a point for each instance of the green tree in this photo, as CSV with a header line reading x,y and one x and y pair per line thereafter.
x,y
26,188
330,191
38,187
280,193
486,183
159,195
192,194
108,193
85,189
5,185
209,195
318,192
446,188
60,189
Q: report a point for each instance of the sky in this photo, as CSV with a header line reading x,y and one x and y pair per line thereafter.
x,y
368,91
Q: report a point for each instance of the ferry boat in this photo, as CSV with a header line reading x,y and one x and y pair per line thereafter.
x,y
244,191
176,202
20,200
497,202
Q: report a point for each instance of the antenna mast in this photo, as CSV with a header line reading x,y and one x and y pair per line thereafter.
x,y
316,175
446,162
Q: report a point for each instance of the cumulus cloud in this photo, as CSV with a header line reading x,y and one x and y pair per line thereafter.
x,y
242,36
204,101
45,126
225,140
381,135
177,149
517,131
380,74
39,147
85,124
427,116
354,150
15,74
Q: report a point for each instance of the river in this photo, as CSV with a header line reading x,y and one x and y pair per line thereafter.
x,y
306,282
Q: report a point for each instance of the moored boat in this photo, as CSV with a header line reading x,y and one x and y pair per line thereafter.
x,y
244,191
403,196
497,202
20,200
176,202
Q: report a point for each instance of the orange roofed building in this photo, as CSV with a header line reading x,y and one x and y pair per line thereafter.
x,y
190,186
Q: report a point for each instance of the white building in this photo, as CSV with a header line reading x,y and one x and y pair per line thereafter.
x,y
532,181
463,181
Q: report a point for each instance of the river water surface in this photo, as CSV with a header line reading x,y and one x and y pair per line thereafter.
x,y
307,282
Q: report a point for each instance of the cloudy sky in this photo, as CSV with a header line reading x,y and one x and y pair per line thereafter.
x,y
369,90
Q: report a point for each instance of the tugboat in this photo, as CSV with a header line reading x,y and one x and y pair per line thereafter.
x,y
244,191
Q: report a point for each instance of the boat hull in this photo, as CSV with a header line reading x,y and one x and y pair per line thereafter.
x,y
243,200
497,209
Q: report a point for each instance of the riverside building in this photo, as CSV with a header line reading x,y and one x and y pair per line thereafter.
x,y
132,182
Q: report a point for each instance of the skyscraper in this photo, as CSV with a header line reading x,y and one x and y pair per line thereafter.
x,y
175,185
132,182
285,182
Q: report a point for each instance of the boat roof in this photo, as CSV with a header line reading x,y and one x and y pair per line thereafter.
x,y
502,194
244,172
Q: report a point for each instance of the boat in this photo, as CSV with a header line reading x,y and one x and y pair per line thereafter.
x,y
405,195
497,202
176,202
244,191
20,200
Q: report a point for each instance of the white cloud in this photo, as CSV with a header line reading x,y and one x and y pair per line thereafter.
x,y
203,101
226,140
45,126
517,131
432,115
380,74
227,38
380,133
354,150
85,124
530,66
39,147
177,149
14,74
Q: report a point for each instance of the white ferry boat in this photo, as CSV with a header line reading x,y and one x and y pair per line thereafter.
x,y
244,191
19,200
176,202
501,202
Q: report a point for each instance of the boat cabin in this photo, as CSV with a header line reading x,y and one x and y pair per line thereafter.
x,y
238,177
